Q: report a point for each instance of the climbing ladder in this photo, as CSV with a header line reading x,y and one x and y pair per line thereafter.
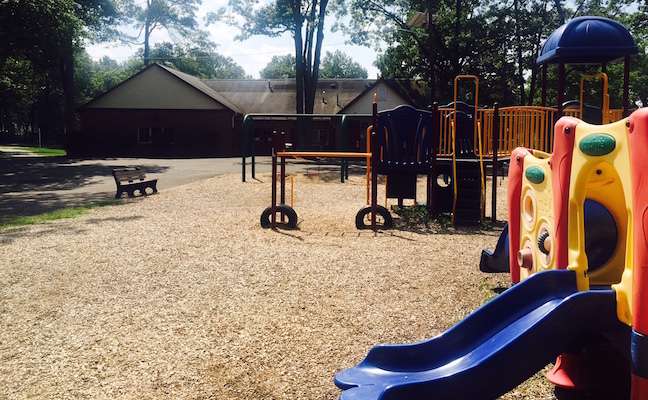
x,y
468,172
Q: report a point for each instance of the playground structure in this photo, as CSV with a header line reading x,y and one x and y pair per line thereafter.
x,y
577,253
405,141
469,138
570,299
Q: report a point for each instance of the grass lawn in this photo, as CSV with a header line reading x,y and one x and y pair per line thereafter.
x,y
41,151
69,212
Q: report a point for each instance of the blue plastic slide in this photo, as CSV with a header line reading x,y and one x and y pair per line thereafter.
x,y
491,351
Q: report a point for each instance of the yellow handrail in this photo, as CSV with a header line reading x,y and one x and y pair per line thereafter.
x,y
482,203
454,174
519,126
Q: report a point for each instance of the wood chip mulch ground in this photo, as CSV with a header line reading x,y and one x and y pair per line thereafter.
x,y
183,295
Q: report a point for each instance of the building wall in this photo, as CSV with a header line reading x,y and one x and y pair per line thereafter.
x,y
155,88
173,132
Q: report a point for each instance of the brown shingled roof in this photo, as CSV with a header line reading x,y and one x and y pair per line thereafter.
x,y
245,96
278,95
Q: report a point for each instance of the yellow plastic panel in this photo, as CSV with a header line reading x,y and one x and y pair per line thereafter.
x,y
601,171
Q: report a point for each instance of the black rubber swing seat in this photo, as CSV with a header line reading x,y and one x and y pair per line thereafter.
x,y
365,212
288,212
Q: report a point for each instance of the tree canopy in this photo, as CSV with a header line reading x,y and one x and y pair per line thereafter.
x,y
45,71
302,19
496,40
334,65
178,18
280,67
198,59
38,40
340,65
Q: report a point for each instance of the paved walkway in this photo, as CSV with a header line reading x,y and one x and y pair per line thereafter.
x,y
31,184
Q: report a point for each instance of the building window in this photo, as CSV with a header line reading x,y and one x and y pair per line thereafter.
x,y
144,136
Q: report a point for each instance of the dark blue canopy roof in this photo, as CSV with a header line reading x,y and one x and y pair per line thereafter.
x,y
587,40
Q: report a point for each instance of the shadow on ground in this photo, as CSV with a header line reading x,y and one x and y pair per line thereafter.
x,y
12,233
22,174
35,185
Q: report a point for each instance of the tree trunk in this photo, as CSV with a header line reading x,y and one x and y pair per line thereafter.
x,y
560,10
309,95
67,82
433,87
457,31
533,84
299,56
520,61
312,90
147,35
534,70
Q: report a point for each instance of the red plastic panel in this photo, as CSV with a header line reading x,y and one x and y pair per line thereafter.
x,y
514,194
639,388
561,163
638,145
567,372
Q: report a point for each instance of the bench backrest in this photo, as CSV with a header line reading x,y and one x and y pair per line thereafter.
x,y
128,175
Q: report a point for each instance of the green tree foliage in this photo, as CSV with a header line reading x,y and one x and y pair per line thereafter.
x,y
280,67
178,17
38,40
96,77
198,59
496,40
302,19
334,65
466,36
340,65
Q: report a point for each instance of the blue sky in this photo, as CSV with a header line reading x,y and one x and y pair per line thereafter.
x,y
252,54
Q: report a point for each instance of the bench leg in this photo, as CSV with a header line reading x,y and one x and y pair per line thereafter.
x,y
119,194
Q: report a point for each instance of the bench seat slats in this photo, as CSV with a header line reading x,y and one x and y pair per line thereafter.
x,y
129,180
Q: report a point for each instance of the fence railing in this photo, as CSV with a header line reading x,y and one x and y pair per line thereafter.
x,y
525,126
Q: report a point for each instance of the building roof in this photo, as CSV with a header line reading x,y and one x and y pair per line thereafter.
x,y
266,96
187,79
587,40
278,95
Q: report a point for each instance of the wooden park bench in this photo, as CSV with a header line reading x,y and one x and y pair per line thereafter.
x,y
130,180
